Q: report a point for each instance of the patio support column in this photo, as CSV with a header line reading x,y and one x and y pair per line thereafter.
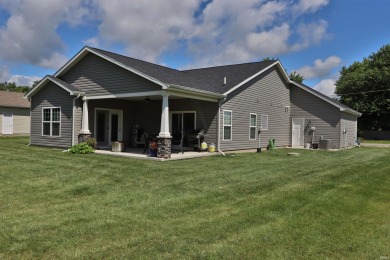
x,y
85,134
164,138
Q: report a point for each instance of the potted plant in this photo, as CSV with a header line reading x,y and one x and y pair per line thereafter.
x,y
153,148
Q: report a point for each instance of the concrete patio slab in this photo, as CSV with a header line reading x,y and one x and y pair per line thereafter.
x,y
137,153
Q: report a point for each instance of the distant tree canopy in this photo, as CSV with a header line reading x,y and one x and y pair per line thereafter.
x,y
296,77
268,59
365,87
7,86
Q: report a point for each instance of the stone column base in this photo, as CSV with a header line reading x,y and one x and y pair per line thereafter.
x,y
164,147
84,137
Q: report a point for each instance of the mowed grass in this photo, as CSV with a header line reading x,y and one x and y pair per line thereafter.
x,y
319,205
377,141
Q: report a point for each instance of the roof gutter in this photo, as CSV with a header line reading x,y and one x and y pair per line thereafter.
x,y
350,111
194,93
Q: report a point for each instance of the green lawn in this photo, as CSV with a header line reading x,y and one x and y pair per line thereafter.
x,y
318,205
377,141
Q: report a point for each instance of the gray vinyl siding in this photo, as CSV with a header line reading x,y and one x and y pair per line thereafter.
x,y
96,76
21,119
78,118
323,116
206,115
350,122
52,95
266,94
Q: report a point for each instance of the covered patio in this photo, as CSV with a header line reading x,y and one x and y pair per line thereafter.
x,y
162,115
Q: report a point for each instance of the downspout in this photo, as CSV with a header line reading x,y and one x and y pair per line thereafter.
x,y
219,126
74,117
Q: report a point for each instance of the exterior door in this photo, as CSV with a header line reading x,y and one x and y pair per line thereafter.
x,y
8,124
298,132
182,122
108,126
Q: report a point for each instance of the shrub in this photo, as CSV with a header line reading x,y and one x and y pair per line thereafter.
x,y
92,142
81,148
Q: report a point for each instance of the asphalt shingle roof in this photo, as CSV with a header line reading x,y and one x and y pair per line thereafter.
x,y
208,79
213,77
63,83
13,99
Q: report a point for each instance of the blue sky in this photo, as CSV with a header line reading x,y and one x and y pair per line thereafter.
x,y
314,37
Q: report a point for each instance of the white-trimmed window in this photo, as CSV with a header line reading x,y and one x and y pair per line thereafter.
x,y
264,122
252,126
51,121
227,125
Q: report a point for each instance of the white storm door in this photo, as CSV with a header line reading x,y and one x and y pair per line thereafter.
x,y
297,132
8,124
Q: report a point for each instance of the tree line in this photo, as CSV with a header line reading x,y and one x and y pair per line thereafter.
x,y
365,86
11,86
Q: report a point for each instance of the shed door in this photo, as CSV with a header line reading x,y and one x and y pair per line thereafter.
x,y
8,124
297,132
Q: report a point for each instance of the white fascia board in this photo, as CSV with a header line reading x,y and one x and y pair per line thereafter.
x,y
75,59
139,73
43,82
250,78
350,111
194,93
128,95
86,49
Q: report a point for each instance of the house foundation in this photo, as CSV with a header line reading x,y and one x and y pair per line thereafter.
x,y
164,148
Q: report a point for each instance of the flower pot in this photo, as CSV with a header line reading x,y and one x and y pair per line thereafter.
x,y
153,152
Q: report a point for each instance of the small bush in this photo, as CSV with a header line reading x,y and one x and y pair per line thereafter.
x,y
92,142
81,148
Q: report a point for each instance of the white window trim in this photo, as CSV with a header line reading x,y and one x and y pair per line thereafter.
x,y
51,121
231,125
250,126
262,126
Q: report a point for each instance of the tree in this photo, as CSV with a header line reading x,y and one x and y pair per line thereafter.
x,y
268,59
365,87
35,83
11,86
296,77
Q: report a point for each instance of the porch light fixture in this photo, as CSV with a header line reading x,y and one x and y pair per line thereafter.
x,y
147,99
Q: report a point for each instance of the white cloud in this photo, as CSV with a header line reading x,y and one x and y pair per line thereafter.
x,y
320,68
93,42
55,61
146,27
271,42
30,36
309,6
4,74
223,32
311,34
21,80
326,86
